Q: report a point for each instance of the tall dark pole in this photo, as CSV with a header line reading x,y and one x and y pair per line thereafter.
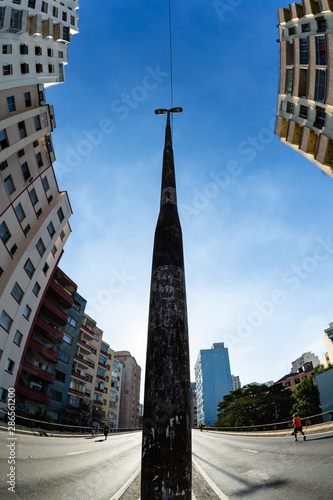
x,y
166,444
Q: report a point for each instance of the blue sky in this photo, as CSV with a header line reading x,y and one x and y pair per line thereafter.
x,y
256,216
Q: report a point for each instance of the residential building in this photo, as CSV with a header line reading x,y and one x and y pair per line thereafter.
x,y
35,37
305,100
328,340
213,381
129,410
236,384
291,380
307,357
115,392
34,214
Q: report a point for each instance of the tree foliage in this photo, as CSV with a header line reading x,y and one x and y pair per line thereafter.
x,y
321,368
255,404
307,401
80,416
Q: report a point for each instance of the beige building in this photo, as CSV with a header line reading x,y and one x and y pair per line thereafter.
x,y
328,340
129,411
115,392
305,101
34,214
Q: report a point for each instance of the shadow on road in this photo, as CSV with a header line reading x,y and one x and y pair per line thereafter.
x,y
310,438
248,486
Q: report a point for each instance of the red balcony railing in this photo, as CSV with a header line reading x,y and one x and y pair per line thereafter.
x,y
81,377
84,345
81,360
46,351
99,390
52,309
89,333
35,395
50,330
64,298
77,393
28,367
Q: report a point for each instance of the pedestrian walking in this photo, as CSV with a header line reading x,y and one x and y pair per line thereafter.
x,y
93,432
106,431
96,430
297,424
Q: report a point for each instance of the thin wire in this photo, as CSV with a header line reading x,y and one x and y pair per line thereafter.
x,y
171,76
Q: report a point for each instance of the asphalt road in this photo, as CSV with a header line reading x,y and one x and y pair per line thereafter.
x,y
262,468
69,468
258,468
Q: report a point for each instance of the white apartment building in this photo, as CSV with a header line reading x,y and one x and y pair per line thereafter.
x,y
35,35
236,383
328,340
34,214
305,100
307,357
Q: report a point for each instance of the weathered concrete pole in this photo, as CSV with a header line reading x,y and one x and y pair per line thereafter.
x,y
166,444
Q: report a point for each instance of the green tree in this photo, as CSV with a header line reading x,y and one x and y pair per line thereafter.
x,y
321,368
255,404
307,401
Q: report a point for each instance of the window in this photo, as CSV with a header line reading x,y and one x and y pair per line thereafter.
x,y
31,3
55,11
105,348
60,214
17,1
320,117
292,31
3,394
102,360
65,33
24,68
22,131
46,268
39,68
40,246
303,47
2,14
11,104
50,52
72,321
10,365
29,268
27,312
16,20
4,232
37,122
44,7
68,339
33,196
9,185
5,321
321,50
20,153
39,160
3,140
64,16
75,402
113,394
18,338
25,171
56,395
45,183
24,49
305,28
51,68
297,381
72,20
76,306
51,229
289,81
290,107
7,69
321,24
13,249
54,250
19,212
60,376
320,85
101,372
3,165
6,48
26,229
49,143
62,235
36,288
60,54
17,293
63,356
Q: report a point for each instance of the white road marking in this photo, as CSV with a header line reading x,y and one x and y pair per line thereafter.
x,y
122,490
76,452
251,451
211,483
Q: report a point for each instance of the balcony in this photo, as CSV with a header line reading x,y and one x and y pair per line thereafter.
x,y
80,377
102,391
81,360
55,312
89,335
50,330
60,294
28,367
99,403
35,395
46,351
84,346
77,393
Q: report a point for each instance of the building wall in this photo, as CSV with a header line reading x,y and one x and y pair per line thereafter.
x,y
213,380
236,384
304,112
307,357
328,340
324,382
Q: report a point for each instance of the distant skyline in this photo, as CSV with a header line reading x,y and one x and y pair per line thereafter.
x,y
255,215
